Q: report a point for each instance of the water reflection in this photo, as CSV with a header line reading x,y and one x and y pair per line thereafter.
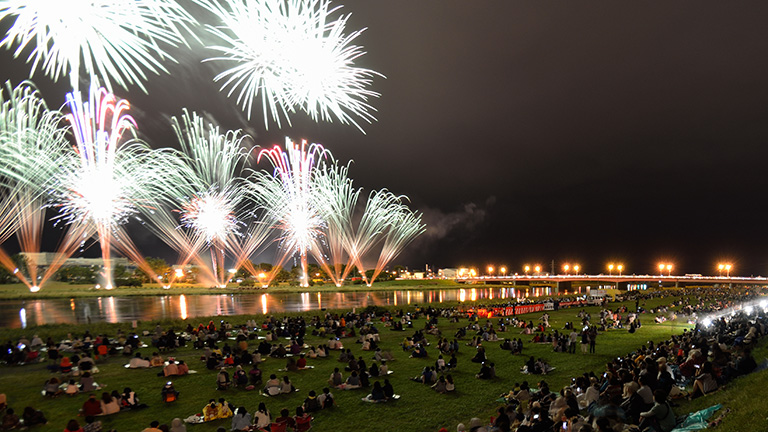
x,y
16,313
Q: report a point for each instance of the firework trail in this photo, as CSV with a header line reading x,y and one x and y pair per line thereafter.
x,y
293,55
102,182
31,140
113,40
287,197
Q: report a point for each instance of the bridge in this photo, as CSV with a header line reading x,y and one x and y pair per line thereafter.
x,y
566,280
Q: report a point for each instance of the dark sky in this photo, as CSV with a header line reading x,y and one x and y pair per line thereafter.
x,y
528,132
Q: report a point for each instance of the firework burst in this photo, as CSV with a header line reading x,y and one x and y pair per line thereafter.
x,y
295,55
113,40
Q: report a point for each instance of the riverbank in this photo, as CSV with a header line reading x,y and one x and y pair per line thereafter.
x,y
65,290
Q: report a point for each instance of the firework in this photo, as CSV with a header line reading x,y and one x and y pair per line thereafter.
x,y
102,181
404,226
116,40
295,55
286,196
31,140
203,186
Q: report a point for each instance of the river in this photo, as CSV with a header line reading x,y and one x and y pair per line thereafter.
x,y
24,313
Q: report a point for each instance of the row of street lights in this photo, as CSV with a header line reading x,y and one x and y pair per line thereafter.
x,y
722,267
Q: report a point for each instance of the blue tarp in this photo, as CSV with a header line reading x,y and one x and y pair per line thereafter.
x,y
698,420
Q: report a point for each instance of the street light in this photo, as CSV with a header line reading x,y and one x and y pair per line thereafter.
x,y
503,270
661,268
728,270
537,269
720,268
576,268
527,269
610,269
620,267
490,270
566,267
669,269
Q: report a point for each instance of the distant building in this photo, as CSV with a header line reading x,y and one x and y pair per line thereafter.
x,y
448,273
45,259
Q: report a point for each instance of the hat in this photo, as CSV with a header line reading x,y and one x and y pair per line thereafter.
x,y
661,360
461,428
475,423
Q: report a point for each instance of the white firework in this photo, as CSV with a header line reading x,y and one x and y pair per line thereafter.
x,y
114,40
295,55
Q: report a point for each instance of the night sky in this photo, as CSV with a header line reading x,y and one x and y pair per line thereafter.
x,y
528,132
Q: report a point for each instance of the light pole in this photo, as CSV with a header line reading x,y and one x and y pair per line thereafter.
x,y
669,269
620,267
537,269
728,270
576,269
503,270
610,269
527,269
490,270
661,269
720,268
566,267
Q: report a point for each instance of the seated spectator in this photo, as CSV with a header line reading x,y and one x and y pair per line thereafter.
x,y
660,417
156,361
254,375
182,367
440,385
71,388
261,418
311,402
222,380
138,362
286,386
240,378
302,420
326,399
73,426
51,387
109,405
353,382
92,425
33,417
210,411
65,366
87,384
172,369
129,399
10,420
272,387
169,393
241,421
705,381
91,406
285,418
449,384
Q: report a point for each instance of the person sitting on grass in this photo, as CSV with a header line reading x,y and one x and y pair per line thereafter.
x,y
222,380
169,393
285,417
91,406
51,387
224,409
137,362
182,367
311,402
326,399
240,378
92,425
336,379
241,421
302,420
353,382
156,361
389,391
440,385
109,405
72,388
449,384
33,417
73,426
210,411
261,418
10,420
377,394
87,384
286,386
129,399
272,387
301,363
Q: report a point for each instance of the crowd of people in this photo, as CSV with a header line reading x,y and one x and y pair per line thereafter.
x,y
633,390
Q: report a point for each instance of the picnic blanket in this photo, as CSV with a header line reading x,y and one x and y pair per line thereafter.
x,y
697,420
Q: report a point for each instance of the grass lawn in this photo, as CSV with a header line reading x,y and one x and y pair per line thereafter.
x,y
66,290
419,409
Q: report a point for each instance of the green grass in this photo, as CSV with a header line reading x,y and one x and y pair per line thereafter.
x,y
419,409
65,290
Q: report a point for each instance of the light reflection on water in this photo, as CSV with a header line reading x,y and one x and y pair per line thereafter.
x,y
20,314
